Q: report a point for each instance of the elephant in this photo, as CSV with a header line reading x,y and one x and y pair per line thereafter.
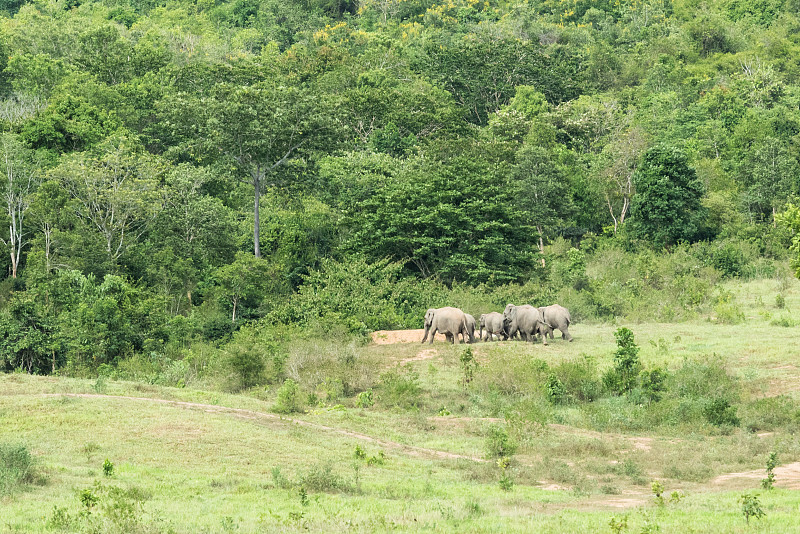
x,y
493,323
526,320
470,327
448,321
556,317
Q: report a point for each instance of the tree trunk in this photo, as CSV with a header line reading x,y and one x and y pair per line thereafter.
x,y
256,218
541,244
233,316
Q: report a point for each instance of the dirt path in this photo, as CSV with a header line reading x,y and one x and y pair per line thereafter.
x,y
786,476
252,415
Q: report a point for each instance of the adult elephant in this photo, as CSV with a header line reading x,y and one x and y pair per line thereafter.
x,y
556,317
493,323
525,320
470,327
448,321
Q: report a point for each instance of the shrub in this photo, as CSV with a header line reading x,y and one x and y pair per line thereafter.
x,y
653,383
289,398
400,389
16,467
498,443
719,412
579,379
726,310
338,368
623,376
751,507
771,413
772,462
254,356
364,399
556,392
108,468
703,379
321,477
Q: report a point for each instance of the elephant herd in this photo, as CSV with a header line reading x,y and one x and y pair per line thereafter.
x,y
525,321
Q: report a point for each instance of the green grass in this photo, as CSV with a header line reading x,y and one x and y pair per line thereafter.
x,y
233,465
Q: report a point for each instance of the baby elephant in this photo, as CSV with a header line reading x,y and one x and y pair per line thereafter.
x,y
493,323
556,317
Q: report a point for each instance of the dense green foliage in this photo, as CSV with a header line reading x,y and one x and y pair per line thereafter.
x,y
174,171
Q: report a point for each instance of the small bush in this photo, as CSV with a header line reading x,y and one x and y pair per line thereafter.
x,y
400,389
365,399
770,414
498,443
108,468
703,379
751,507
623,376
786,322
772,462
653,383
321,477
16,467
726,310
719,412
337,367
780,301
289,398
579,379
556,392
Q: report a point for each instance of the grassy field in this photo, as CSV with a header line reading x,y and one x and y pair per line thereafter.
x,y
425,457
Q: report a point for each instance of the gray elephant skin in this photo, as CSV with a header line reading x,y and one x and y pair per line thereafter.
x,y
493,323
556,317
526,320
470,327
448,321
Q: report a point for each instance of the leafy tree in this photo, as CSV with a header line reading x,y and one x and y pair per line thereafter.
x,y
617,164
454,218
770,177
21,178
259,128
115,192
542,191
481,73
247,277
667,207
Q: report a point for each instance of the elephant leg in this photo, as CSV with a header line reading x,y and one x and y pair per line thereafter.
x,y
433,335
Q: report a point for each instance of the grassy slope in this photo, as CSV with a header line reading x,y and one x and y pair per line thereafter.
x,y
207,470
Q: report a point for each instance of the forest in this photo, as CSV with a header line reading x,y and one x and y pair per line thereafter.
x,y
196,183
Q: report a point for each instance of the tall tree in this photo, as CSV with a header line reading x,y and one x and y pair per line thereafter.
x,y
542,191
22,177
667,207
115,191
258,128
618,162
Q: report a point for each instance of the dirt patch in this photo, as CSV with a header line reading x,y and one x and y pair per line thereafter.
x,y
786,476
390,337
424,354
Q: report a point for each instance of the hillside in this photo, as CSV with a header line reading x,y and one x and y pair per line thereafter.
x,y
423,453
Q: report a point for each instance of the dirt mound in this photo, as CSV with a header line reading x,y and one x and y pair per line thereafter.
x,y
390,337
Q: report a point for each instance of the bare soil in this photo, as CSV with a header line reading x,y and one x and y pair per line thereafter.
x,y
390,337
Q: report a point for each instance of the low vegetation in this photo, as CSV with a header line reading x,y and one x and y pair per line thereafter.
x,y
651,414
